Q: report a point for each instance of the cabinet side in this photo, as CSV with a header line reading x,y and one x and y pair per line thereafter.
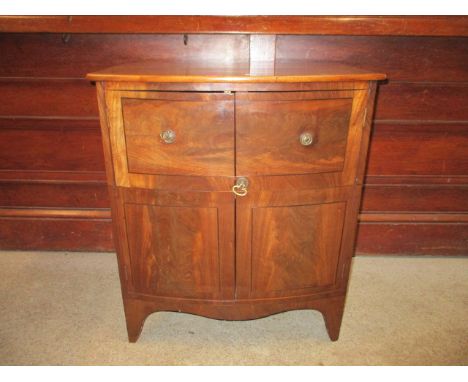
x,y
366,131
117,213
101,90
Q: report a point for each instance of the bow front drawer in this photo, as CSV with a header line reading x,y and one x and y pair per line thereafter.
x,y
179,133
292,133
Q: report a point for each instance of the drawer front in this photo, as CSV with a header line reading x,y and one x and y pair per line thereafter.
x,y
179,133
292,133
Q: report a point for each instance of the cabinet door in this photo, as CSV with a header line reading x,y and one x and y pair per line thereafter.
x,y
294,243
180,244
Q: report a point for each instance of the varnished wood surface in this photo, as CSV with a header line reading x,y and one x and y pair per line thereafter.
x,y
415,198
203,125
412,217
73,98
407,238
17,194
424,63
174,250
48,234
214,167
47,55
439,198
176,243
55,213
403,58
265,249
50,145
219,71
269,126
423,102
212,248
400,58
138,308
305,255
328,25
235,86
424,149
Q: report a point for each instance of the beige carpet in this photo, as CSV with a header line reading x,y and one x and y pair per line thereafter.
x,y
65,308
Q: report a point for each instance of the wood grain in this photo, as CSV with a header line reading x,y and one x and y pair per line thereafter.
x,y
417,180
33,176
50,145
402,58
215,71
174,250
137,309
303,256
66,195
421,148
203,125
415,198
422,102
235,86
268,131
212,246
72,98
413,217
181,243
340,25
46,55
50,213
105,135
423,59
265,203
412,59
438,239
64,234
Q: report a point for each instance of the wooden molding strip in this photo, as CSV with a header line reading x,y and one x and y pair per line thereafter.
x,y
443,180
46,213
319,25
32,176
105,214
413,217
418,121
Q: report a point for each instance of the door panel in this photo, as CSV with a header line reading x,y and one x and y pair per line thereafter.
x,y
290,243
295,247
180,245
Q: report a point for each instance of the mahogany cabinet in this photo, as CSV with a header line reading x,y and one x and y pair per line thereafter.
x,y
235,190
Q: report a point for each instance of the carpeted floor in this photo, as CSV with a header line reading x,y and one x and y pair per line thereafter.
x,y
65,309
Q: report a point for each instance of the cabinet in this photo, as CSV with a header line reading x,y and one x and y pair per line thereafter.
x,y
234,195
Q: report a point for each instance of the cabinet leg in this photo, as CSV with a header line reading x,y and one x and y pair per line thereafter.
x,y
333,315
135,316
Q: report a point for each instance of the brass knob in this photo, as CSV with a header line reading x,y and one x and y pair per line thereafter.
x,y
240,188
306,139
168,136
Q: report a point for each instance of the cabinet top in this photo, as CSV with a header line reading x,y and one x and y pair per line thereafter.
x,y
218,71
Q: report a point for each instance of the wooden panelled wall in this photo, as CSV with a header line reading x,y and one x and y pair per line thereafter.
x,y
52,183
